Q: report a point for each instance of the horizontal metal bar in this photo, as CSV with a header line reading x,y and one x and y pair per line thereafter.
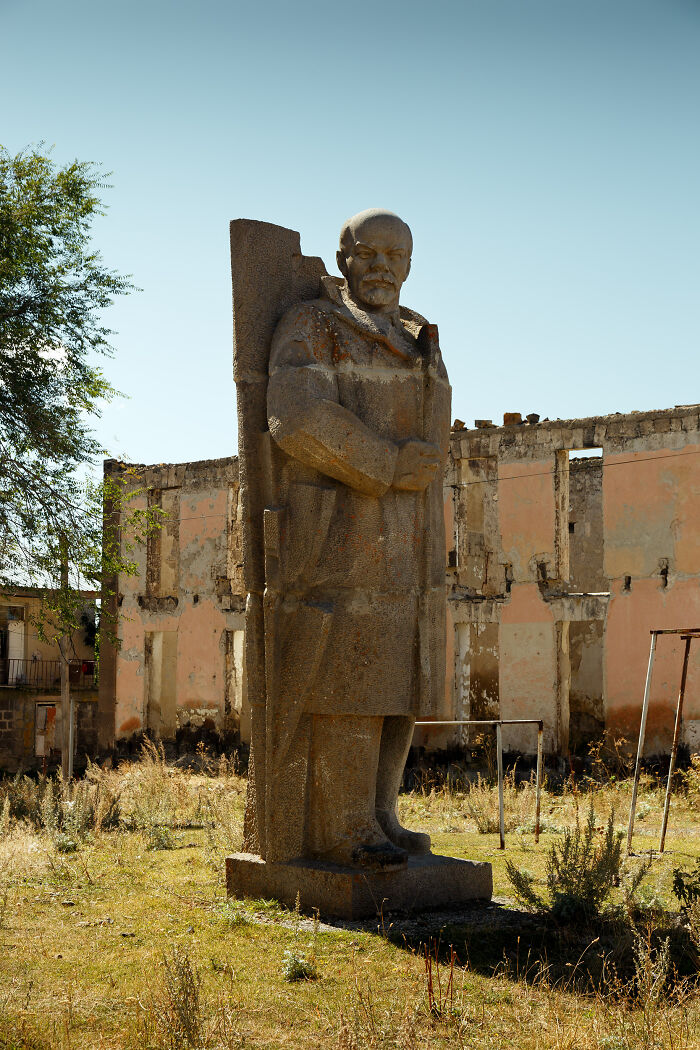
x,y
484,722
679,630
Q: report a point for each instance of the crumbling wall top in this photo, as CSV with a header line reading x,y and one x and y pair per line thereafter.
x,y
527,440
176,475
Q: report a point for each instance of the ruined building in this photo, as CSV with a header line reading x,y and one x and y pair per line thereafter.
x,y
567,542
30,677
561,566
180,621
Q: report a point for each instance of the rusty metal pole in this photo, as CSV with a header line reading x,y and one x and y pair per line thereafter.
x,y
674,746
66,706
538,779
499,759
640,745
65,714
71,729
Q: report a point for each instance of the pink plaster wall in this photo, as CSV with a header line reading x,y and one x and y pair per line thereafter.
x,y
651,509
201,658
526,512
630,618
200,617
527,667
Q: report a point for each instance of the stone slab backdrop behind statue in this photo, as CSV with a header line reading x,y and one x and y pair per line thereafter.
x,y
344,414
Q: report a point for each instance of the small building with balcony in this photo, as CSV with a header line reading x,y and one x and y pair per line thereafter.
x,y
30,683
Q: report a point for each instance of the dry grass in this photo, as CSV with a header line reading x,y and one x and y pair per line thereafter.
x,y
118,946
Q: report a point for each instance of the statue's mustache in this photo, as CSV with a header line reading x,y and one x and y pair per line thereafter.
x,y
378,278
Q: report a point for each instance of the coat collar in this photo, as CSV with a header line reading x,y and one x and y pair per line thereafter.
x,y
399,334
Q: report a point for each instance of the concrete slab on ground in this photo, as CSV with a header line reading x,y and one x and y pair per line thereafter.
x,y
427,882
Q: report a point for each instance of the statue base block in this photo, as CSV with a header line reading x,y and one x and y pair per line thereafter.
x,y
350,893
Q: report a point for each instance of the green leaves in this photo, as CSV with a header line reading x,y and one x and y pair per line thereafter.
x,y
582,869
53,286
53,289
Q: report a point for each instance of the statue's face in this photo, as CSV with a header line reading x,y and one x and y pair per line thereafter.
x,y
377,262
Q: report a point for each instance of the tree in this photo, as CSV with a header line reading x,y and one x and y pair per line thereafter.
x,y
53,289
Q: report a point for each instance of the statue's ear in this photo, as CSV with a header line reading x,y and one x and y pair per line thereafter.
x,y
342,262
408,269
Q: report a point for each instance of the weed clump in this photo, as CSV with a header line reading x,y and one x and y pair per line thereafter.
x,y
691,782
298,967
581,872
72,810
158,837
439,986
178,1008
5,817
230,916
686,885
652,968
64,843
482,804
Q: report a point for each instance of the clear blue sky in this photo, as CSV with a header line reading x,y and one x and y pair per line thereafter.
x,y
546,154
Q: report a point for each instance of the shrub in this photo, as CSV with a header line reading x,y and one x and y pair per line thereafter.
x,y
222,813
24,798
297,967
580,873
691,782
64,843
611,758
178,1008
686,885
155,795
693,917
79,811
50,813
651,969
160,837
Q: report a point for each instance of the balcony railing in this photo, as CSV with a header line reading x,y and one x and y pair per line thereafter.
x,y
46,674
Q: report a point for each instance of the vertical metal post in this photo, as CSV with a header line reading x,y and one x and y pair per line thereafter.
x,y
499,759
674,745
71,732
538,780
66,712
65,717
640,745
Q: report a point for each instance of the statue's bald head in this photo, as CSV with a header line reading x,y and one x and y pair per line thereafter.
x,y
375,258
374,217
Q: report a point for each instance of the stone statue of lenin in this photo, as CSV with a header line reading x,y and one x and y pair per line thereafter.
x,y
358,409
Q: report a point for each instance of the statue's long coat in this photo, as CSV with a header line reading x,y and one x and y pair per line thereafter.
x,y
355,569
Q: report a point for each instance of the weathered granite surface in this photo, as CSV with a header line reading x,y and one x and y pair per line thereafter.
x,y
424,883
344,414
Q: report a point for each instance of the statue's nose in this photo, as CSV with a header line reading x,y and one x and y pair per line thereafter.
x,y
380,262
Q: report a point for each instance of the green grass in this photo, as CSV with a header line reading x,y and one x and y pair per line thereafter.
x,y
95,945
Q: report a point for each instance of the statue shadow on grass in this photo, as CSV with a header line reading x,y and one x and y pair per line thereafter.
x,y
591,957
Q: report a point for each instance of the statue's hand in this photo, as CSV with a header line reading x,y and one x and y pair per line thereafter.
x,y
417,465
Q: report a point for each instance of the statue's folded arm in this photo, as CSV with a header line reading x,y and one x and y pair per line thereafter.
x,y
308,422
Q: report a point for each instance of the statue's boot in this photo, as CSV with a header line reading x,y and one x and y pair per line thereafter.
x,y
397,733
342,827
411,841
379,852
366,847
383,857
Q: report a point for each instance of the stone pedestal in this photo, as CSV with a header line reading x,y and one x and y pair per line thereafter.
x,y
349,893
